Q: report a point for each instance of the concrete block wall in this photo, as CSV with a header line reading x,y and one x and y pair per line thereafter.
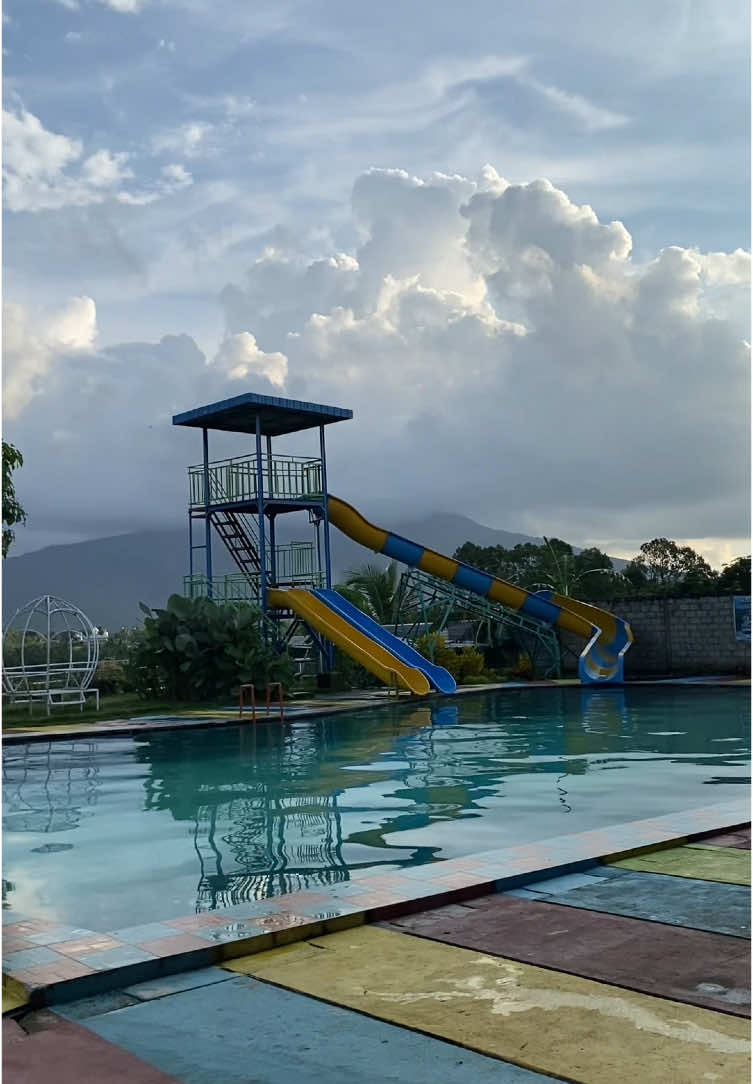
x,y
675,636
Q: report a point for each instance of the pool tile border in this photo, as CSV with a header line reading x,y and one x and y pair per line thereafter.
x,y
95,962
226,717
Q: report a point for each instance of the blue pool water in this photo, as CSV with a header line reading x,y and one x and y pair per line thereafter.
x,y
107,833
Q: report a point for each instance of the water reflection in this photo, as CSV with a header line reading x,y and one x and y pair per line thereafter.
x,y
47,786
248,812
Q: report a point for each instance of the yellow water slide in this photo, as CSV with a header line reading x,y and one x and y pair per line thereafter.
x,y
363,650
607,637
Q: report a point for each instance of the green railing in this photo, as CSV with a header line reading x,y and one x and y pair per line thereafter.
x,y
295,566
232,588
284,477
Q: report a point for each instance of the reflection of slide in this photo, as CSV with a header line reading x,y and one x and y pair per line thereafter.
x,y
608,637
321,617
441,679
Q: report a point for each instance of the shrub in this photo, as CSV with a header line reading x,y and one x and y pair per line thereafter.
x,y
470,665
464,665
523,669
111,678
195,649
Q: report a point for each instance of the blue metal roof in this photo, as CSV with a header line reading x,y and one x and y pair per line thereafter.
x,y
278,416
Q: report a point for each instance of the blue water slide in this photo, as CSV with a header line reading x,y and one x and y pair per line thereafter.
x,y
441,679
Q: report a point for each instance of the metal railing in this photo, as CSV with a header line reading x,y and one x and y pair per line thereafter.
x,y
284,477
295,566
232,588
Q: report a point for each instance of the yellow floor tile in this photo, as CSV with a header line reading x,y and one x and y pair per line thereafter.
x,y
543,1020
729,865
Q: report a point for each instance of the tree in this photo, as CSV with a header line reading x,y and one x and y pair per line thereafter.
x,y
13,512
374,590
734,579
552,566
196,649
663,567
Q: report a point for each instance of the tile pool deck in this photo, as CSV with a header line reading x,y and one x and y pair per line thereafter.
x,y
637,958
615,954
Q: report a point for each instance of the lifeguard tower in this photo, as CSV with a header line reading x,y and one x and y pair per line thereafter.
x,y
240,499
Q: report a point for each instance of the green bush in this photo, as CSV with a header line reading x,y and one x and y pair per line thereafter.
x,y
112,678
464,665
523,669
195,649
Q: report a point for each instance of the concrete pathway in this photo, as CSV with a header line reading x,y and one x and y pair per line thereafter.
x,y
704,969
540,1019
242,1031
66,1053
702,862
600,974
676,901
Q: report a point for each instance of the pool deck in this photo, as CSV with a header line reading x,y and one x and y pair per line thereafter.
x,y
615,954
337,703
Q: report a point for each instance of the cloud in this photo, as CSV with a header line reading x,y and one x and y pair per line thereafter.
x,y
30,347
241,359
46,170
124,7
594,118
505,354
188,139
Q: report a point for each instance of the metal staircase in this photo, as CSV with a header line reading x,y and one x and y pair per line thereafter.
x,y
240,537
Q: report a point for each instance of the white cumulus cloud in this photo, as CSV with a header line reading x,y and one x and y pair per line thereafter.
x,y
505,354
30,347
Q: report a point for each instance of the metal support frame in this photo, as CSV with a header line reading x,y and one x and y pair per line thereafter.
x,y
262,533
207,501
419,591
329,655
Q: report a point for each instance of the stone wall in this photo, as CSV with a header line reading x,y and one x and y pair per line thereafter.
x,y
674,636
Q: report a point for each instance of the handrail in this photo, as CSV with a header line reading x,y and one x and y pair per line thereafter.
x,y
236,479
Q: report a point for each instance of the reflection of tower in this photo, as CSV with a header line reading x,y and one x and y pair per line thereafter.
x,y
269,848
46,786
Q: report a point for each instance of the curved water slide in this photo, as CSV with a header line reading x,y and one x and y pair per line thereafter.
x,y
385,658
607,637
439,678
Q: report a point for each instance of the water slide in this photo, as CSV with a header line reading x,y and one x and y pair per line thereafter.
x,y
350,638
607,637
439,678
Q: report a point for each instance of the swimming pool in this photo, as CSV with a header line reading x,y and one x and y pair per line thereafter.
x,y
107,833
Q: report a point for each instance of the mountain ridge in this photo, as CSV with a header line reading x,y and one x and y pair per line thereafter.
x,y
108,577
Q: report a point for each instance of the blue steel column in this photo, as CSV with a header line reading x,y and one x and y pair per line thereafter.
x,y
260,502
327,563
190,548
327,559
207,523
270,494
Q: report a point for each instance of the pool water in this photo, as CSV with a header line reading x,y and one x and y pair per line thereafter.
x,y
107,833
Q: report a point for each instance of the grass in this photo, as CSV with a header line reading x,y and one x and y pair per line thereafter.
x,y
118,706
125,706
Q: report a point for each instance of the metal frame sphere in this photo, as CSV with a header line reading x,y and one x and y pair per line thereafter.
x,y
59,652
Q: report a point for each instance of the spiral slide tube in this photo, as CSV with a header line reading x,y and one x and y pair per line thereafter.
x,y
607,637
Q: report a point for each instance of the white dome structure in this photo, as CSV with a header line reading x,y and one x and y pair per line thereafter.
x,y
50,654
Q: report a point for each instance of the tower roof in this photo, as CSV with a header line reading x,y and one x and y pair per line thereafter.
x,y
278,416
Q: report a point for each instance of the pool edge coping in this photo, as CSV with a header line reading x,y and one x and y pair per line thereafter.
x,y
300,926
116,728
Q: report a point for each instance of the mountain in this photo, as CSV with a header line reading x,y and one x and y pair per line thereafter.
x,y
108,577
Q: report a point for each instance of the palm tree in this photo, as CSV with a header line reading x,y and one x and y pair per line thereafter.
x,y
374,590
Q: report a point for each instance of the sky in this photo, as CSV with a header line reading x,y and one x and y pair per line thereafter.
x,y
512,238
